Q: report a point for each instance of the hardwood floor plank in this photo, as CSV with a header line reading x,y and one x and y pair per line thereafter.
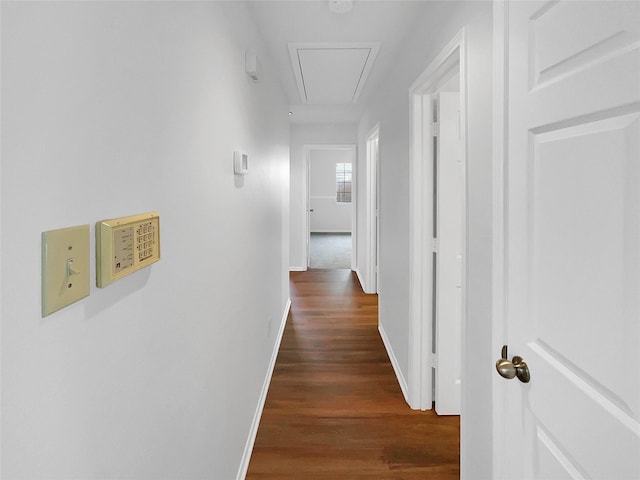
x,y
334,408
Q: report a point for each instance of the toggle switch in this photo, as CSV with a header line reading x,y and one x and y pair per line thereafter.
x,y
65,267
70,270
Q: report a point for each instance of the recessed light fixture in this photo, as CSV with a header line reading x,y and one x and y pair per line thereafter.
x,y
290,113
340,6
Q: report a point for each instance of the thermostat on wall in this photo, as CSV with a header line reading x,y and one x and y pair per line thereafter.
x,y
125,245
240,163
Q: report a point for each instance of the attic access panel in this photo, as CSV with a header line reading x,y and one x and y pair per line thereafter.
x,y
330,73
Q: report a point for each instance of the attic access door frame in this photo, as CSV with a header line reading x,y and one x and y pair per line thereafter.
x,y
332,73
306,224
423,215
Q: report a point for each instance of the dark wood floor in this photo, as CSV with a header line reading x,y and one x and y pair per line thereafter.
x,y
334,408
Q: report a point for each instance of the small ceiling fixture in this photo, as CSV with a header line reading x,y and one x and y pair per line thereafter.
x,y
340,6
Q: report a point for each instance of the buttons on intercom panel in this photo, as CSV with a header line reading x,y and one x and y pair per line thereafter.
x,y
125,245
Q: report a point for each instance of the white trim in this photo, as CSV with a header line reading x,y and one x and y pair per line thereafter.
x,y
306,223
1,175
371,205
500,152
394,363
331,231
354,206
297,269
360,278
420,288
253,432
453,56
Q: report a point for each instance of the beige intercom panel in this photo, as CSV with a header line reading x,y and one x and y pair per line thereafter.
x,y
125,245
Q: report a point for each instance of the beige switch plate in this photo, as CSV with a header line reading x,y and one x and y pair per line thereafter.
x,y
65,267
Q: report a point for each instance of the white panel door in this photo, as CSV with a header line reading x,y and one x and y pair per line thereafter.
x,y
572,240
373,229
450,188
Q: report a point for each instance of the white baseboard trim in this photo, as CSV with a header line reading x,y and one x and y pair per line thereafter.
x,y
394,363
331,231
297,269
248,448
363,284
360,279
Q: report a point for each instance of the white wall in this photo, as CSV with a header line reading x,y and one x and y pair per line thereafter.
x,y
391,109
301,135
116,108
328,214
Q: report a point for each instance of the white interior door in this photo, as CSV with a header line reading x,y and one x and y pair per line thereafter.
x,y
376,235
373,229
448,264
308,209
572,240
372,212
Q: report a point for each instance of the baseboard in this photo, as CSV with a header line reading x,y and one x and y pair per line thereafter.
x,y
297,269
362,282
330,231
360,279
394,363
248,448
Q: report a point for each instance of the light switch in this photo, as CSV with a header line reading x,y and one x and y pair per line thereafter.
x,y
65,267
240,163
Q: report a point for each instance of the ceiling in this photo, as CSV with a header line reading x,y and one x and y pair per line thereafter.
x,y
331,63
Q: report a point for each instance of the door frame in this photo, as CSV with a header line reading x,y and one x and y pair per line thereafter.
x,y
452,56
306,193
372,214
500,209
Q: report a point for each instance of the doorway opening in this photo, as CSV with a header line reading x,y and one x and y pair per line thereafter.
x,y
438,232
330,193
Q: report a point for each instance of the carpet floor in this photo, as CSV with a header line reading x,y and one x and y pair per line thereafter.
x,y
330,250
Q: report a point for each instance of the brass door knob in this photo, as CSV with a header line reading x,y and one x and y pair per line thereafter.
x,y
517,367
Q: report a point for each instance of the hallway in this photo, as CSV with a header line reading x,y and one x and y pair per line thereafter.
x,y
334,408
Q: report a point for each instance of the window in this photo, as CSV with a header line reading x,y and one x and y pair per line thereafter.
x,y
343,182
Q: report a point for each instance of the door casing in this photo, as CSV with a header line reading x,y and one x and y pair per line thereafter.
x,y
306,223
372,215
498,326
451,59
